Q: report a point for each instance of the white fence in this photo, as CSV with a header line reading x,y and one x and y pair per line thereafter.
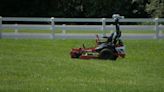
x,y
102,27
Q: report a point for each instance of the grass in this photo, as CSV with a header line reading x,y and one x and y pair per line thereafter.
x,y
81,31
45,66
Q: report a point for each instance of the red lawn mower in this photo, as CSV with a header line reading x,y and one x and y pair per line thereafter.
x,y
111,49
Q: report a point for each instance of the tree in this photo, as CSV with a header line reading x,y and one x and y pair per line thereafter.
x,y
106,8
75,8
138,8
155,8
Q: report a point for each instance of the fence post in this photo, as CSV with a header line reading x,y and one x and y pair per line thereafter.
x,y
16,29
156,28
103,26
0,27
64,31
53,27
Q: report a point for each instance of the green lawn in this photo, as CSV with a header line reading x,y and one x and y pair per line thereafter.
x,y
80,31
45,66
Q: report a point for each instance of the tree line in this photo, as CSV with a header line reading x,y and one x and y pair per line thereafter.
x,y
82,8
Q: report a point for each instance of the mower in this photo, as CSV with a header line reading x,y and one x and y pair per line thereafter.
x,y
111,49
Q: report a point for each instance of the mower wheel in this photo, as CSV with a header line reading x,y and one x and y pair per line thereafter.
x,y
107,54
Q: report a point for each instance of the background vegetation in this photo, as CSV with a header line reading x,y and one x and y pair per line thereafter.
x,y
82,8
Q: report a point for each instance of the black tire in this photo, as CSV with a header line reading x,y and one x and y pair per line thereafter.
x,y
107,54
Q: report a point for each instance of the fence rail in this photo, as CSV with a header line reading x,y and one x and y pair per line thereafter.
x,y
102,27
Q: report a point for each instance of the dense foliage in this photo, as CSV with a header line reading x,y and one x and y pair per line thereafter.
x,y
156,8
82,8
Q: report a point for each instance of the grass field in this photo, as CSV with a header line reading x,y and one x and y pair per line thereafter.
x,y
81,31
45,66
